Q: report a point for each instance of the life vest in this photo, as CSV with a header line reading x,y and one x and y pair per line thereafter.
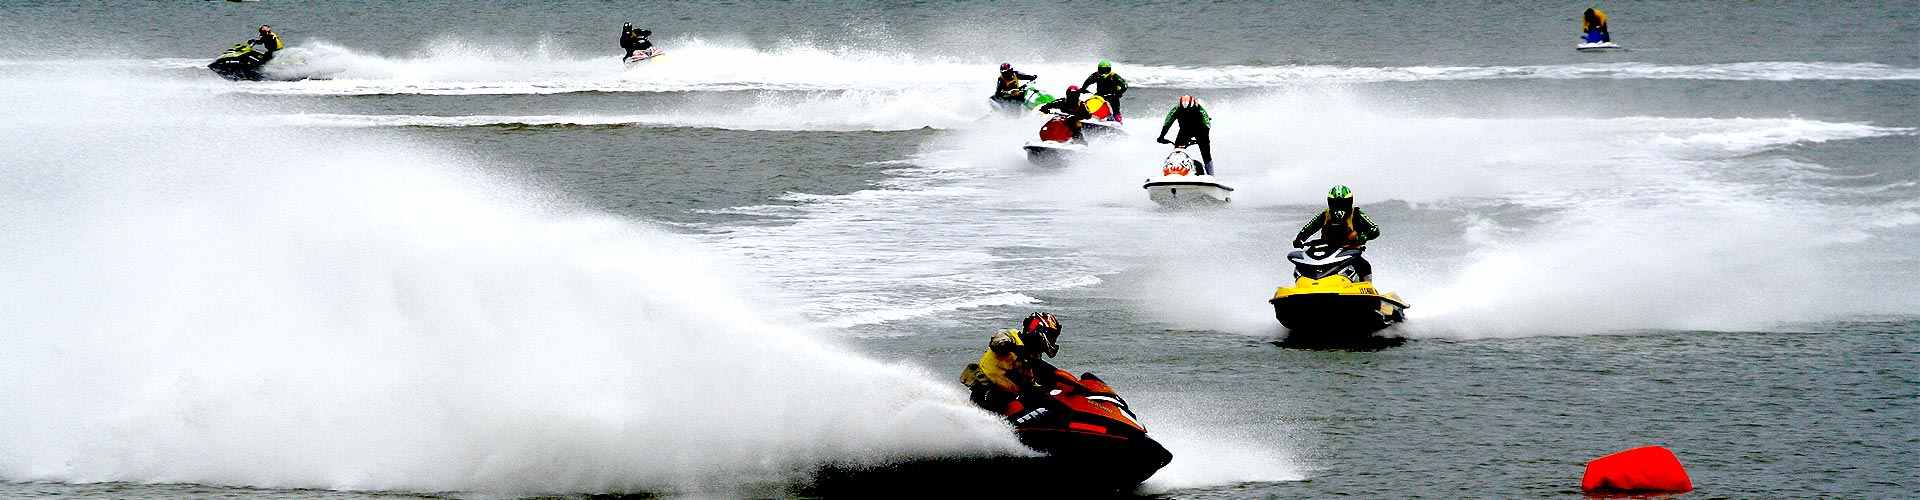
x,y
1009,81
1330,230
1598,20
273,41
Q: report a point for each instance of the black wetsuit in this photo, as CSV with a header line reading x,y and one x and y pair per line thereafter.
x,y
1112,86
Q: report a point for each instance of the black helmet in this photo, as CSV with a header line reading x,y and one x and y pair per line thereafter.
x,y
645,33
1041,331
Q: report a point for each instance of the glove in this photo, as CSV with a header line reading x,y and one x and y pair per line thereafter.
x,y
1163,140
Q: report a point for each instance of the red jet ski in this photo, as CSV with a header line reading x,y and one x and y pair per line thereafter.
x,y
1092,442
1088,432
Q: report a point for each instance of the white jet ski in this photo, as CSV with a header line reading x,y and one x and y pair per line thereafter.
x,y
643,55
1056,145
1181,184
1597,47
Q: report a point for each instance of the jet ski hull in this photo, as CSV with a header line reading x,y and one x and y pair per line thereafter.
x,y
1102,129
1597,47
1049,153
641,56
1333,309
1180,191
238,68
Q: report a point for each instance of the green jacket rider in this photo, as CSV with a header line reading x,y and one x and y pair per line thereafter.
x,y
1196,127
1341,224
1111,86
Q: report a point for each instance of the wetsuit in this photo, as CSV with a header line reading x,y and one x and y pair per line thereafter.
x,y
1007,87
1593,23
1076,112
1112,86
1346,226
1195,126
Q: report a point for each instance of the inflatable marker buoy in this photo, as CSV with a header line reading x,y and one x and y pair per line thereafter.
x,y
1097,106
1647,468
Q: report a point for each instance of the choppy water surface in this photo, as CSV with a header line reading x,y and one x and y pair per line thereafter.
x,y
472,255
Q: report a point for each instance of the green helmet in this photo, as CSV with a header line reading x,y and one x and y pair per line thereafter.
x,y
1339,192
1105,64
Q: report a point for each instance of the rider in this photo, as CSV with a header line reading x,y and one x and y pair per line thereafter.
x,y
1593,24
632,40
1069,104
1007,87
1194,128
269,42
1343,225
1012,366
1112,86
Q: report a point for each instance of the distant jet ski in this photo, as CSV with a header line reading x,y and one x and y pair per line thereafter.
x,y
1056,145
1597,46
240,62
1181,185
643,55
1330,301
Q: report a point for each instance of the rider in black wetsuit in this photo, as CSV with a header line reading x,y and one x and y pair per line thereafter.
x,y
1069,104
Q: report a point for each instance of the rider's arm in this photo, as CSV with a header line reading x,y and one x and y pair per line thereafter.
x,y
1205,119
1168,123
1024,76
1365,226
1313,226
1119,85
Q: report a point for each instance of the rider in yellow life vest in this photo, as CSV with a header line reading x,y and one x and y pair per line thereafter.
x,y
1012,365
269,41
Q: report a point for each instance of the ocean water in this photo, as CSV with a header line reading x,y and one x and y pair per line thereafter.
x,y
466,253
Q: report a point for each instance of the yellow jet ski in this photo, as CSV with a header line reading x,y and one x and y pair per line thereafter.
x,y
1332,298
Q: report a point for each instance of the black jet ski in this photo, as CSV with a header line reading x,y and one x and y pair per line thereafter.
x,y
240,62
1332,299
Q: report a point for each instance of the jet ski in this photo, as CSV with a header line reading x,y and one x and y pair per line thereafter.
x,y
1030,98
643,55
1330,301
1056,145
1086,426
1596,41
1597,46
1091,445
1181,185
240,62
1103,125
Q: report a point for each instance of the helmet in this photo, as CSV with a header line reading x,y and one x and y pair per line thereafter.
x,y
644,32
1106,65
1041,331
1340,200
264,28
1006,66
1073,89
1187,101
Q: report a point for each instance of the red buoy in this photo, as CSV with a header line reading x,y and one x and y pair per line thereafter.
x,y
1647,468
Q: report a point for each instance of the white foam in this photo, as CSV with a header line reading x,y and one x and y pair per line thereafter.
x,y
358,313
